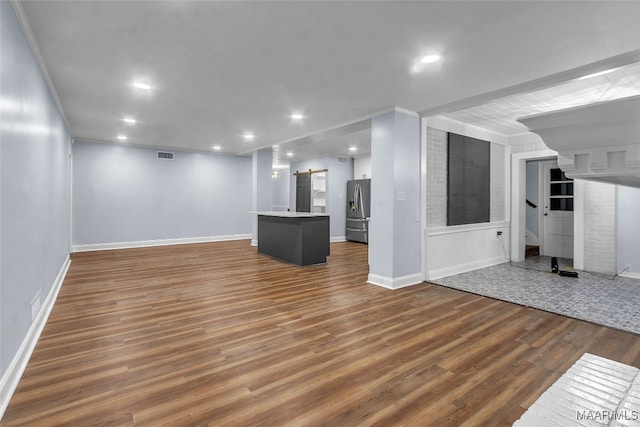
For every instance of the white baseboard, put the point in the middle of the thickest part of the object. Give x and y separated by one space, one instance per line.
463 268
159 242
254 242
630 274
12 376
395 282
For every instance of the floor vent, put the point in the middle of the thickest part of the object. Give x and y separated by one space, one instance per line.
165 155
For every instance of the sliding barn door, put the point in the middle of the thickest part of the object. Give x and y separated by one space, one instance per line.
303 192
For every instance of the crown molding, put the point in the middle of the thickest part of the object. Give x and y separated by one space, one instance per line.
28 33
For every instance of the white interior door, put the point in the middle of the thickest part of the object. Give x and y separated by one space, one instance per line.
557 222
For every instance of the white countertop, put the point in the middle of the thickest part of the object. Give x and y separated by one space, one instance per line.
287 214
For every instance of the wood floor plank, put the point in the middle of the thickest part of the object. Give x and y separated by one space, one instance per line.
217 334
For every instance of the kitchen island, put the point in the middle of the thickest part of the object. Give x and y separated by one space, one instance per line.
300 238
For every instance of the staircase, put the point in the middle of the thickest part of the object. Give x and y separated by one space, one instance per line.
531 250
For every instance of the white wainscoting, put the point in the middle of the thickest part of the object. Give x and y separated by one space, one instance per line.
457 249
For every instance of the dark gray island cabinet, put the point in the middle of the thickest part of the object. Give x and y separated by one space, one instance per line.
299 238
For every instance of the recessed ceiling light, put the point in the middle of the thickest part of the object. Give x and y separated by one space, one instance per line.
121 137
353 148
141 85
297 116
289 154
430 59
248 136
217 147
130 120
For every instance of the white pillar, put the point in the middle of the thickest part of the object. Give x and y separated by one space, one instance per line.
394 238
262 192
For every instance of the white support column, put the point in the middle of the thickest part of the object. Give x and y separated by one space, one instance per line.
394 237
262 192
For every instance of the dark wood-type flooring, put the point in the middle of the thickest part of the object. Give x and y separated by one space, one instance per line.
216 334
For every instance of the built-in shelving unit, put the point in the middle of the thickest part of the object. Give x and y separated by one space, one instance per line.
319 192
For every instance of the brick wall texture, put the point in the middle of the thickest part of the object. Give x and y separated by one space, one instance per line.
600 227
437 180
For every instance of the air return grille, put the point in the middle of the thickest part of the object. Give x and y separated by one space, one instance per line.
165 155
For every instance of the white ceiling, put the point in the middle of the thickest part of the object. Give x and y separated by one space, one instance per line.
219 69
500 115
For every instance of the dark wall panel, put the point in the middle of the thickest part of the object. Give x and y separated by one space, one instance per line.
468 192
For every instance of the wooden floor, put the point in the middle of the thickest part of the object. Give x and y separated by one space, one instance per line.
217 334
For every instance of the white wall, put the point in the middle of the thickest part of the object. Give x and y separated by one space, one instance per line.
628 230
339 172
280 190
394 228
261 187
452 250
362 167
124 196
34 200
599 221
532 195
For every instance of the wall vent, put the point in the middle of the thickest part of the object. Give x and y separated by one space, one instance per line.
342 160
165 155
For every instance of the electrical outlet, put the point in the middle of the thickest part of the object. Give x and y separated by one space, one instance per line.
35 305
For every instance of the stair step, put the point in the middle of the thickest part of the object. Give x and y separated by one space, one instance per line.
531 251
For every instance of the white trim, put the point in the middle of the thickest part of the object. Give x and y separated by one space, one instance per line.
395 282
437 231
407 112
159 242
578 224
447 124
254 242
423 197
463 268
12 376
336 239
518 197
630 274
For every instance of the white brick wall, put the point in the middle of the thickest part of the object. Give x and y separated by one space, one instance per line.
436 178
496 183
599 227
531 146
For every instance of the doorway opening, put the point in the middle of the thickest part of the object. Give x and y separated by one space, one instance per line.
549 217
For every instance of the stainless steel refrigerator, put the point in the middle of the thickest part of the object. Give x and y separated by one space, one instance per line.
358 210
